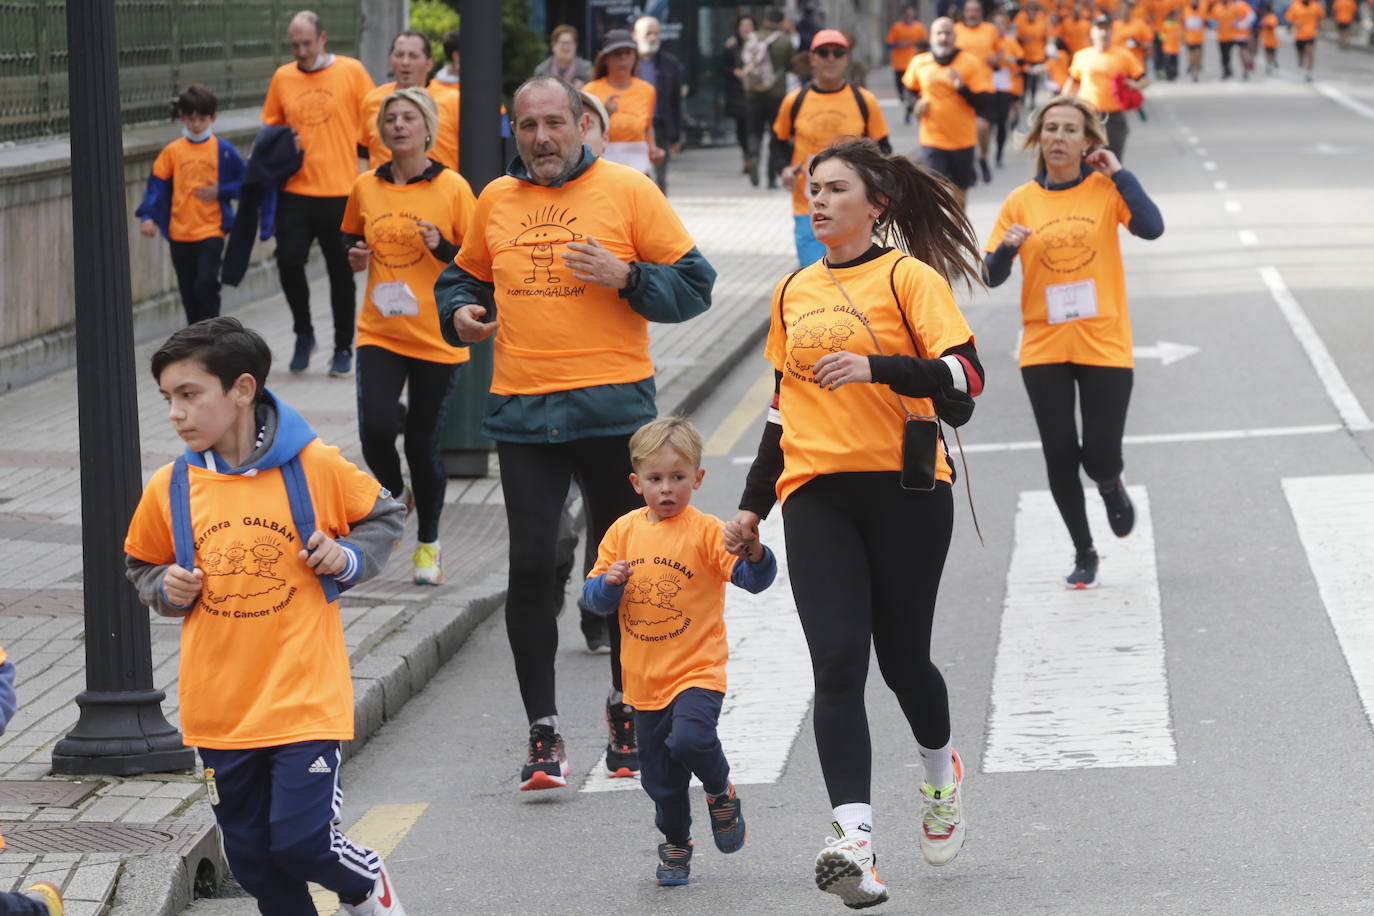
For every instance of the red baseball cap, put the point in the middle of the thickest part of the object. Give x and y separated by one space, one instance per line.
829 37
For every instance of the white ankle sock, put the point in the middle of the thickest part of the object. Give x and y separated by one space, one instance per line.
939 764
550 721
856 820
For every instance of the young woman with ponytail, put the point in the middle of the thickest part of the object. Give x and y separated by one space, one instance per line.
862 340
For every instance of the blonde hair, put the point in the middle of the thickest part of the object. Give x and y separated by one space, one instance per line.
1093 127
421 100
676 433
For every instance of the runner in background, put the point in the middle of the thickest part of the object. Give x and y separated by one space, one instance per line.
1168 44
764 70
410 63
1076 340
630 102
1269 37
1132 31
1007 81
906 39
979 38
1343 11
1031 28
1194 34
1305 16
1093 74
1226 14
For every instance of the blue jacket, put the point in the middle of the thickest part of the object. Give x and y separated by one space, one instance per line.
157 196
666 293
8 703
274 159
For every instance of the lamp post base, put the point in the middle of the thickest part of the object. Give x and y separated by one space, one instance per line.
121 733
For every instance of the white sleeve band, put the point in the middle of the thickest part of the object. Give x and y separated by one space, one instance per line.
774 416
957 376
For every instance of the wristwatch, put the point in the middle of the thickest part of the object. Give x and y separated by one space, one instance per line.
631 279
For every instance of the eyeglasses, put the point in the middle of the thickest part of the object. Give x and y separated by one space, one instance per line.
827 53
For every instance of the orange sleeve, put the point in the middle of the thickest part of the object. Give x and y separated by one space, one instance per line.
150 530
911 79
473 256
658 234
782 124
343 492
979 77
1134 68
362 82
930 307
609 550
775 350
892 36
353 213
272 112
164 165
921 33
877 122
722 560
1005 219
463 206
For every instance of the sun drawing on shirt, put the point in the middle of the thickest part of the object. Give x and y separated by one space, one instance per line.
541 232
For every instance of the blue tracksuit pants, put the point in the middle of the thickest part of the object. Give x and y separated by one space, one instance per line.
278 812
19 905
675 743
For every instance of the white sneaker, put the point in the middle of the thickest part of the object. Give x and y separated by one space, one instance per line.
845 868
942 823
381 902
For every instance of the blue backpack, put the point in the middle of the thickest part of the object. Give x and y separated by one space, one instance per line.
302 516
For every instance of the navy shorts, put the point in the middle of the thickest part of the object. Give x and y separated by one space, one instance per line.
956 165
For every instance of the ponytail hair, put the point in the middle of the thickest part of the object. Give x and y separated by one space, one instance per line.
920 213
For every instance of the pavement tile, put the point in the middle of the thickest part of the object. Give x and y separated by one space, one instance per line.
90 882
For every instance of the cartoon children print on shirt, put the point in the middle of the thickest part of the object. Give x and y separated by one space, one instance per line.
545 229
1066 246
817 334
242 571
648 603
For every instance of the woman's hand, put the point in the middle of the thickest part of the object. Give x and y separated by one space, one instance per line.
741 532
836 369
430 233
1016 235
1104 161
359 256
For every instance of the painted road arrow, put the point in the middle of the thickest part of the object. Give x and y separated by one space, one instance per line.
1165 352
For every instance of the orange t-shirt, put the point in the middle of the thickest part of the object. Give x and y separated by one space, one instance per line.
950 122
1171 36
559 333
1073 249
981 42
445 147
1095 72
824 118
1194 25
634 108
1305 18
1137 31
1057 68
1031 33
1269 30
855 427
263 661
1226 15
399 312
1008 77
324 107
189 166
672 615
1075 34
915 33
1344 11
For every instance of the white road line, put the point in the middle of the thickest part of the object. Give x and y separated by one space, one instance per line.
1345 101
1335 520
769 680
1218 435
1201 150
1352 414
1209 165
1232 206
1248 238
1220 185
1079 679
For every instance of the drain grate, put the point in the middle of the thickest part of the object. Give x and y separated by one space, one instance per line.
57 793
32 837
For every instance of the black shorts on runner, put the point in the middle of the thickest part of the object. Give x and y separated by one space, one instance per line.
1342 27
1196 47
1303 44
956 165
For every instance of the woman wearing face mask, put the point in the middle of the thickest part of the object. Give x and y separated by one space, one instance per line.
403 224
564 62
1076 344
861 340
630 102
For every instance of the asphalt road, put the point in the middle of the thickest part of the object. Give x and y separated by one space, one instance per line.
1265 807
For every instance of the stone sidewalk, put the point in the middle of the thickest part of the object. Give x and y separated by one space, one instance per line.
398 634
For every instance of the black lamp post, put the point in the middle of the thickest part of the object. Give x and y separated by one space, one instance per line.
479 136
122 730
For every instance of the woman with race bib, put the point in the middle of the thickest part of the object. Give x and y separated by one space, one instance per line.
1076 342
630 102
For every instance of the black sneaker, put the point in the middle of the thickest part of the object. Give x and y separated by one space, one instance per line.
622 751
1120 510
1084 573
987 172
727 820
547 764
300 359
596 630
674 864
341 366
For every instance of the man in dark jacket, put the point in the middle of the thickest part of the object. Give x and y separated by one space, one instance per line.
664 71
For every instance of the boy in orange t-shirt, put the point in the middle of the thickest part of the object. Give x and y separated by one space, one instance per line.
664 568
248 537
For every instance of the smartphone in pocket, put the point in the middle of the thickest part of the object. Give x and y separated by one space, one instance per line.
920 440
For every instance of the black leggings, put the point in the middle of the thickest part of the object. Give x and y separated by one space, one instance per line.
535 480
381 374
197 268
1104 393
1003 102
301 220
865 557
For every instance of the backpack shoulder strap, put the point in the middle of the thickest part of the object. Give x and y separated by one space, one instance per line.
797 104
179 493
863 107
783 295
303 515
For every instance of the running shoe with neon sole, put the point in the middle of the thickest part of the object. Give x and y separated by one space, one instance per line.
942 824
428 570
48 895
674 864
845 868
546 767
1120 509
381 902
1084 573
727 821
622 750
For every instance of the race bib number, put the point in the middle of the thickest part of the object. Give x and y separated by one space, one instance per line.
1071 301
1192 23
395 300
1001 80
634 153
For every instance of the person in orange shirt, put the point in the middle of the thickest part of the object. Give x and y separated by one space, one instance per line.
1093 74
1133 33
249 537
1170 44
630 102
569 259
1007 81
188 200
1305 16
863 345
404 223
1226 15
1031 29
1194 18
979 38
410 63
815 116
951 87
1076 326
320 97
1343 11
906 39
1269 38
662 570
1057 58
